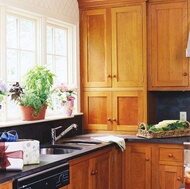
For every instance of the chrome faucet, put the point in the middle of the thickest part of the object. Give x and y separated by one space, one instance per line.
54 138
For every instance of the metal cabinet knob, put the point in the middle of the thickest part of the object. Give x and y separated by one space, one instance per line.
113 119
184 74
114 76
147 159
109 119
93 173
179 178
170 155
108 75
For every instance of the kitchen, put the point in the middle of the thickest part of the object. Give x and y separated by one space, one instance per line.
147 102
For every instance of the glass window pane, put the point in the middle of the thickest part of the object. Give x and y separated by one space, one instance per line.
49 40
12 32
61 69
27 35
12 65
60 42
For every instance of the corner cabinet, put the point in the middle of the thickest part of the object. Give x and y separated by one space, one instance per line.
113 64
153 166
168 67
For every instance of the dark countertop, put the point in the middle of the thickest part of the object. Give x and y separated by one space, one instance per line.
48 161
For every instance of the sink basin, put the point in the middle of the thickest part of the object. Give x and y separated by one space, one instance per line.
58 149
79 142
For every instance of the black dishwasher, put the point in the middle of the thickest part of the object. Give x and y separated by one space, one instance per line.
52 178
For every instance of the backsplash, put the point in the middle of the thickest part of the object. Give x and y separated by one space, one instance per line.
42 131
169 104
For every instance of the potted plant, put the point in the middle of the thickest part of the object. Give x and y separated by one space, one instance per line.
35 95
66 96
2 91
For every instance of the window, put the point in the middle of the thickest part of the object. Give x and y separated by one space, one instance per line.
30 40
21 52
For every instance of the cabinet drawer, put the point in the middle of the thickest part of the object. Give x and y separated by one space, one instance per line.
171 154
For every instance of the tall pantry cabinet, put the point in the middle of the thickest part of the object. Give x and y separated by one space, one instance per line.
113 64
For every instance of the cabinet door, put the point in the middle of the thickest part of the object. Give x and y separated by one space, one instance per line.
6 185
97 110
79 176
100 172
128 46
95 48
170 176
117 168
138 166
128 110
168 32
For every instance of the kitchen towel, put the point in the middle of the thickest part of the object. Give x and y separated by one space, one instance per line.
118 140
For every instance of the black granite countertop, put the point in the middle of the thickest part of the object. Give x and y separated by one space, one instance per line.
48 161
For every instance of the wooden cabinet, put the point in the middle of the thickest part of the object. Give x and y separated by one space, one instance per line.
95 48
91 171
153 166
138 166
167 36
113 65
171 168
113 111
6 185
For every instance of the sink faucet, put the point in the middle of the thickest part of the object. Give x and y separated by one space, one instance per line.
53 132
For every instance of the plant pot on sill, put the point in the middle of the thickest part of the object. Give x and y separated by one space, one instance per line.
27 113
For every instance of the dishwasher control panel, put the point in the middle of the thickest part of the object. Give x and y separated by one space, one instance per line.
52 178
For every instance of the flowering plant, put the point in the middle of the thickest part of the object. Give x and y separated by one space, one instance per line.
2 90
66 93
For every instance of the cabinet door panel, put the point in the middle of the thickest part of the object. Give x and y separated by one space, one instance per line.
138 167
95 55
79 176
170 176
127 110
127 46
97 108
169 66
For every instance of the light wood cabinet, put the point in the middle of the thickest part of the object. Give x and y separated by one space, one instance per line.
6 185
153 166
95 48
167 38
171 168
138 166
113 111
91 171
113 65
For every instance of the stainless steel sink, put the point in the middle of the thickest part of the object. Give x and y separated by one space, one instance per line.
58 149
79 142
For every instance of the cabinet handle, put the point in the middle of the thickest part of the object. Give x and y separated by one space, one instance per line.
147 159
114 76
179 178
184 74
93 173
170 155
96 172
113 119
109 119
108 75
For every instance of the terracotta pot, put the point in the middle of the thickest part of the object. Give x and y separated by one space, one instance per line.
27 113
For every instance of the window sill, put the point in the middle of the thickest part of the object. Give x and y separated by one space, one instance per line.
48 118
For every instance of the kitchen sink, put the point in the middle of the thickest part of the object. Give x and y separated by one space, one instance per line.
54 149
79 142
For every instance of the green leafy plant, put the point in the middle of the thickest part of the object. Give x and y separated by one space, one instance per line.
37 89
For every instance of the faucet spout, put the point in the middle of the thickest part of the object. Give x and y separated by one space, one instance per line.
53 132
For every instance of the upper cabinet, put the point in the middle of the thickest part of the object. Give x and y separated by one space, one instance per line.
95 48
168 66
113 46
128 58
